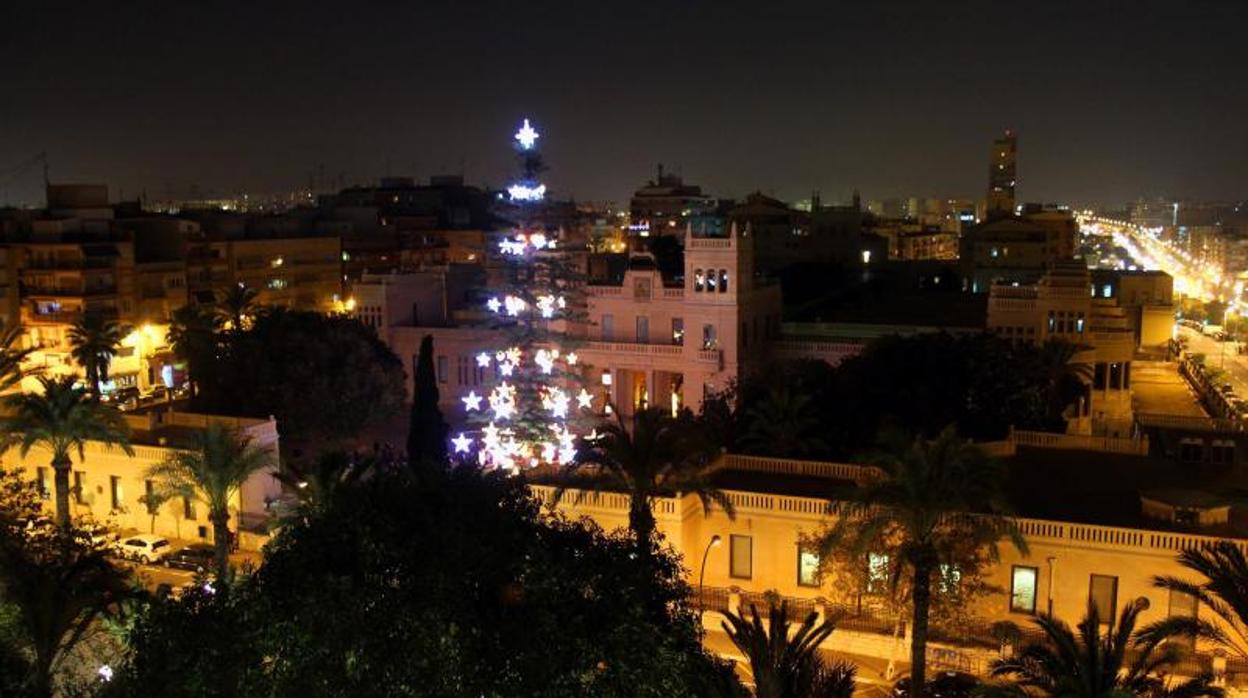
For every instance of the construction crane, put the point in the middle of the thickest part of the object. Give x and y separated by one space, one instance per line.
13 174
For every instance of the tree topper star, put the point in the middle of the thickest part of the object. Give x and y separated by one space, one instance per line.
527 136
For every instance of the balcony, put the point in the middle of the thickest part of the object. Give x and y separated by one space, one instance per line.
76 291
51 263
674 351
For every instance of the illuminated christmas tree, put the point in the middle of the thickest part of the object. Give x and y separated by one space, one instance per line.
533 406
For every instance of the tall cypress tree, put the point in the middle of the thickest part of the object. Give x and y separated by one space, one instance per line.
427 430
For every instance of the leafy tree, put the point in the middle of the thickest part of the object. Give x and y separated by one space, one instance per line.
657 454
193 336
787 664
213 471
921 516
427 430
451 585
979 383
154 500
62 418
784 423
59 587
323 377
94 341
1224 591
1095 665
236 306
317 487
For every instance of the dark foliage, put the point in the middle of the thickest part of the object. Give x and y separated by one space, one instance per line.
443 586
917 385
427 430
322 376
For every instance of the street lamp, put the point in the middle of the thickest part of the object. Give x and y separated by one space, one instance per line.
715 541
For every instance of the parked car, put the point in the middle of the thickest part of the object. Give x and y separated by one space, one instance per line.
195 557
944 684
101 536
144 547
122 398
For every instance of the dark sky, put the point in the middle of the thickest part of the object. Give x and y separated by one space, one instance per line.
1112 100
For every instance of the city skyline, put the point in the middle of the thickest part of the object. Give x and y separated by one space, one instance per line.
1109 105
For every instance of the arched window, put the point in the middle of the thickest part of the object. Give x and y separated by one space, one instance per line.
697 280
723 280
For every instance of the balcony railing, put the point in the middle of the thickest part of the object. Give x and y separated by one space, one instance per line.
69 291
43 263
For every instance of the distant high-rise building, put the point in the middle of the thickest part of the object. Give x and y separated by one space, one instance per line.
1002 176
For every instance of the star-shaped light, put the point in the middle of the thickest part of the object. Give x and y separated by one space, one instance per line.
494 304
483 360
461 443
546 304
545 360
527 136
584 400
559 404
472 401
506 368
514 305
549 452
571 358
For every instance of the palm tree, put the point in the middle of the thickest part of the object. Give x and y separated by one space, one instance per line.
788 665
236 305
60 589
940 505
317 487
11 357
94 341
62 418
1065 380
784 423
1224 591
213 471
193 337
1095 665
657 454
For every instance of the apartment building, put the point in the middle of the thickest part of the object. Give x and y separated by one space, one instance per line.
290 272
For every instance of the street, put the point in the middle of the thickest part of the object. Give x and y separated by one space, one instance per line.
1220 355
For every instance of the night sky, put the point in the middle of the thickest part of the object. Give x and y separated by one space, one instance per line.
1112 100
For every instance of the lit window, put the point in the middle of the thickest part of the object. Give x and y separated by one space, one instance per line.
1106 291
950 579
877 573
1023 589
807 567
1182 606
698 280
741 557
115 492
723 280
1103 596
80 485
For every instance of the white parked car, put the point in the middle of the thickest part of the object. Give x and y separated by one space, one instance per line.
144 548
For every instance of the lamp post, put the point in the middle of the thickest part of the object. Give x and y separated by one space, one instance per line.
715 541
